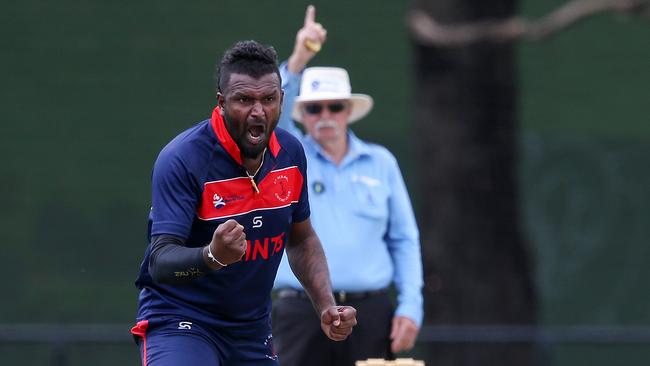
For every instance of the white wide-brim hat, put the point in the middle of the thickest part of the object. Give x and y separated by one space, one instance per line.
330 83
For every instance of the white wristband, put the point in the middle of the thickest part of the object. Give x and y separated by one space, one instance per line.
213 258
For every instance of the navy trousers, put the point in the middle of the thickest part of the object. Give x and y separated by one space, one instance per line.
180 342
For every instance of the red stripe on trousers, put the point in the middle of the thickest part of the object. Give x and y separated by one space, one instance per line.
140 330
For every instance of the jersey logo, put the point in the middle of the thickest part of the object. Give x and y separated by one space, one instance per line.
257 222
217 201
185 325
234 196
264 248
271 350
283 191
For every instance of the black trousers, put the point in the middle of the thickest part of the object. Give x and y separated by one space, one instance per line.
299 340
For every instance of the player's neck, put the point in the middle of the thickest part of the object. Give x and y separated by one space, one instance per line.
253 165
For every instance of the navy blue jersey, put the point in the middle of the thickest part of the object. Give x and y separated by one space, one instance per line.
198 182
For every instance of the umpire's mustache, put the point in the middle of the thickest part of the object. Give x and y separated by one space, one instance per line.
326 123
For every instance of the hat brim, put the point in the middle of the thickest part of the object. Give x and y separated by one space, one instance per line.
361 105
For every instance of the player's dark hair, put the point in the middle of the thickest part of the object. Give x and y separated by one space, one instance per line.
249 58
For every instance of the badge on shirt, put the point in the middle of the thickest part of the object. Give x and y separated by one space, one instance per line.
318 187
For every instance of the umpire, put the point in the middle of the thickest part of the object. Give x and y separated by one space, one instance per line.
362 213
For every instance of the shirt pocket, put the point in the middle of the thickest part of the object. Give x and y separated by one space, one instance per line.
371 201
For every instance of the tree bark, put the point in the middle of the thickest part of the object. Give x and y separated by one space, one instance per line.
477 265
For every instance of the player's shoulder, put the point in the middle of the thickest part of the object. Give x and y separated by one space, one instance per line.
195 143
289 143
286 139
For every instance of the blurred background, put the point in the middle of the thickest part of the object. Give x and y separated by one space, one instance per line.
92 90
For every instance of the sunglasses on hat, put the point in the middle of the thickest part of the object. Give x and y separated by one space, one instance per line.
317 108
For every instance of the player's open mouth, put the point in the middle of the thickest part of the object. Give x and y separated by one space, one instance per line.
255 134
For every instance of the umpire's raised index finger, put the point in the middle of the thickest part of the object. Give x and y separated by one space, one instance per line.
310 15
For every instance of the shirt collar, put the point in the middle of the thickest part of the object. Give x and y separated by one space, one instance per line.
219 128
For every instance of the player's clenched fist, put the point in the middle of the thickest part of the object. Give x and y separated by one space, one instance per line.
228 243
337 322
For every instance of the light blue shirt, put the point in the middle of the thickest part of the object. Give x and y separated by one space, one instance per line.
362 214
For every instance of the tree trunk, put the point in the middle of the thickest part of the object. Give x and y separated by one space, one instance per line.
477 265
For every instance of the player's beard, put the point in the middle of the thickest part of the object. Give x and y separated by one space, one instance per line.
252 152
248 149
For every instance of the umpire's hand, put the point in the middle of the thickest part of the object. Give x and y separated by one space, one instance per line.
309 39
337 322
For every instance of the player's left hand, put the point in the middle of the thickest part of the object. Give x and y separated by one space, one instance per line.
403 333
337 322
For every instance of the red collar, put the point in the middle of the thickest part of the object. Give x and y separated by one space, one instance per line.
229 144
